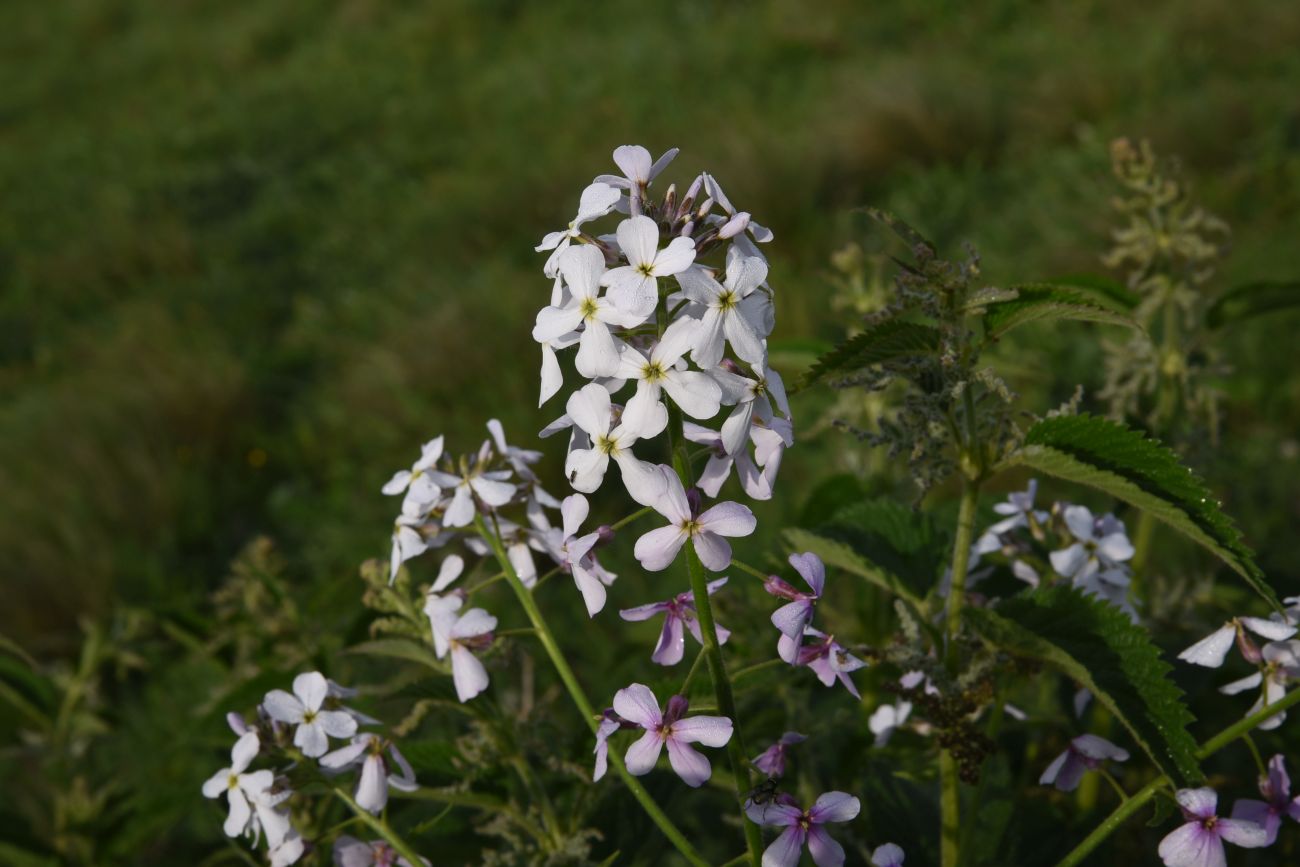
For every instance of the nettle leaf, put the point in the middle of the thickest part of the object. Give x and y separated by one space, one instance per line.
1037 302
886 341
1106 291
1144 473
888 544
1096 644
1252 299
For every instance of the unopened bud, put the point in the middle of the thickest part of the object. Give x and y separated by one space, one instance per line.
734 226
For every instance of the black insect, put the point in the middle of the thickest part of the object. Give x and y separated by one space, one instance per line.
764 793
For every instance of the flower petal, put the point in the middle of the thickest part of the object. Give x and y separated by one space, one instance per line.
657 549
785 849
835 807
825 852
1212 650
636 703
641 757
712 731
690 765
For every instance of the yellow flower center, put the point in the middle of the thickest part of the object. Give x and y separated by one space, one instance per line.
588 308
727 300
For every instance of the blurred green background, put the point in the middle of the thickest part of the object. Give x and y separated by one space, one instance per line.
253 254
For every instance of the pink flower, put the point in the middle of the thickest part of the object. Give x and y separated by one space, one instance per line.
1275 786
1085 753
679 610
804 827
657 549
772 761
637 704
827 658
1199 842
888 855
793 618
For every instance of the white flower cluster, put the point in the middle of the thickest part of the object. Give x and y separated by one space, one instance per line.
307 719
1277 662
642 306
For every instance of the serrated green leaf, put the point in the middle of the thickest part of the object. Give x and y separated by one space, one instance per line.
1096 644
1252 299
887 341
896 548
400 648
1041 302
1106 291
900 228
1144 473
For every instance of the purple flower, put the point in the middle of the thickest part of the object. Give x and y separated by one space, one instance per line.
679 610
637 704
827 658
804 826
575 554
772 761
795 616
658 548
1085 753
351 852
1199 843
888 855
610 722
1275 786
376 778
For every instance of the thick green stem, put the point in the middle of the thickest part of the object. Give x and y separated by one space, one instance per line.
580 699
1147 792
949 786
380 827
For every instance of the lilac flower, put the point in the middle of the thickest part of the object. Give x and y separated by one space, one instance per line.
610 722
1279 665
304 709
887 718
757 483
472 631
1275 786
1199 842
795 616
1212 650
887 855
351 852
597 200
472 482
377 776
658 548
420 490
1099 546
825 656
804 827
772 760
678 611
1019 508
1085 753
637 704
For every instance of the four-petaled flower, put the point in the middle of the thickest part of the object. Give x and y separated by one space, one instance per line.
598 350
1199 842
1275 786
1212 650
671 728
421 492
1100 546
351 852
573 553
678 611
376 774
658 548
304 708
591 411
827 658
239 786
658 371
597 200
804 827
635 286
489 486
734 310
1085 753
792 618
471 631
772 760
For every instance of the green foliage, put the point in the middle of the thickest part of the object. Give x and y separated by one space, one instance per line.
1096 644
1045 302
1241 303
1128 466
890 340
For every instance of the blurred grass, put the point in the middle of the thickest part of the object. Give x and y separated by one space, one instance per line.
251 255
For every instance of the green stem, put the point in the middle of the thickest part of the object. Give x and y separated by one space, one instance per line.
745 567
1147 792
380 827
949 791
741 673
579 697
476 800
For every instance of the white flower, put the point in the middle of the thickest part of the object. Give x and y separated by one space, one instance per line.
1280 665
573 553
463 635
597 200
635 286
658 548
1212 650
1100 546
760 234
638 171
490 487
733 310
752 399
658 371
376 776
1019 506
441 611
421 492
591 411
887 718
598 350
290 848
351 852
304 709
408 543
238 786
